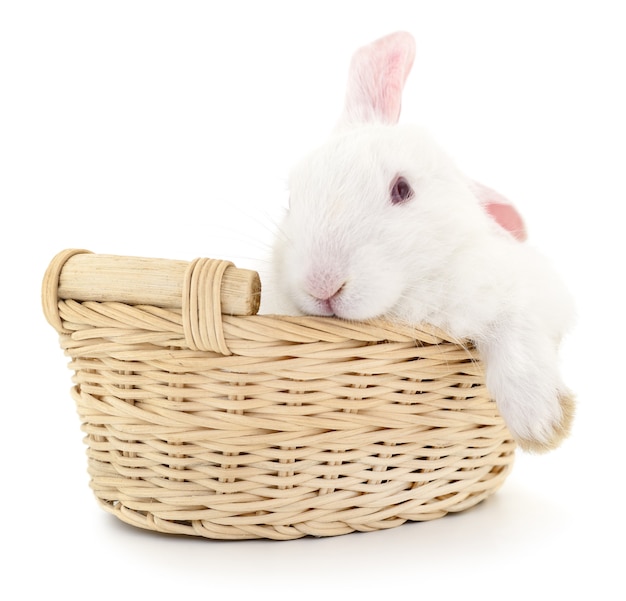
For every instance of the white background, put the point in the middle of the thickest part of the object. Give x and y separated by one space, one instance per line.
166 129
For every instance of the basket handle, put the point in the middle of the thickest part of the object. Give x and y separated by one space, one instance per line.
204 289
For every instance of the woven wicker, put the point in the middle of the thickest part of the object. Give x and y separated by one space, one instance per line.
253 426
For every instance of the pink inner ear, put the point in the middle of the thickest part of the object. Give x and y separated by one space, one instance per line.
377 76
502 211
507 217
392 65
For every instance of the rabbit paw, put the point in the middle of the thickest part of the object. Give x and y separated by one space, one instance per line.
545 435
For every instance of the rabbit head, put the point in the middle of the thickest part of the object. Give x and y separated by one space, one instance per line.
376 212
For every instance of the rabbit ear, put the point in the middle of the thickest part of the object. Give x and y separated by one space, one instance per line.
376 79
501 210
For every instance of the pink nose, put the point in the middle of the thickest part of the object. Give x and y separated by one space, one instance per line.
328 303
325 290
323 285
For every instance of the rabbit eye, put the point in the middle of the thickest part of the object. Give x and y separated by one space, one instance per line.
401 191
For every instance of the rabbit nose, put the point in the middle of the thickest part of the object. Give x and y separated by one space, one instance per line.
329 304
323 286
333 295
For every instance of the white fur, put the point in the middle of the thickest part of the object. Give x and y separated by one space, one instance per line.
345 250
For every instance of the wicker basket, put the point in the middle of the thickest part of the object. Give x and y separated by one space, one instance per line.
204 419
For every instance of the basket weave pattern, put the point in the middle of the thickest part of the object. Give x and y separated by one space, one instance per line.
291 426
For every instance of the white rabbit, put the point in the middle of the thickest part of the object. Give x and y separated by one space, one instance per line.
382 224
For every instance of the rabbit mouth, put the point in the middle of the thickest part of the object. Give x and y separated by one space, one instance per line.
326 304
347 302
348 293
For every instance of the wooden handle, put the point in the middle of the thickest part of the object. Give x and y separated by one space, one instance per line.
144 281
